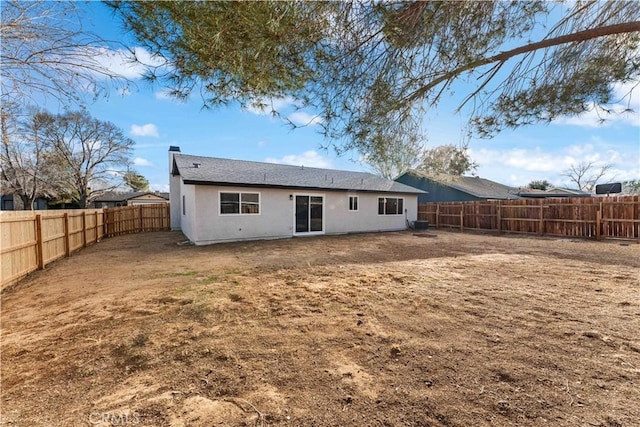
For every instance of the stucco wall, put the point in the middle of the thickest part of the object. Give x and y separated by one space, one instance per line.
273 221
175 199
188 213
366 218
276 218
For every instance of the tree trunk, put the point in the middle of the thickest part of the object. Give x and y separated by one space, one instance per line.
82 201
27 202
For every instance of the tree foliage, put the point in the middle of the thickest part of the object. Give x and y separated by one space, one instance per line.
135 181
46 53
373 69
447 160
541 184
631 186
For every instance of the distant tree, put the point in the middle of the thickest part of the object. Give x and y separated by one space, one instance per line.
585 175
95 154
631 186
447 159
27 167
539 185
47 53
398 157
135 181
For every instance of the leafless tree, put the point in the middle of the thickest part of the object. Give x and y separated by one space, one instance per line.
95 154
28 169
586 174
46 53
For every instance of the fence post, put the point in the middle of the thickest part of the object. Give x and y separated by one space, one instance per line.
437 214
461 217
140 222
39 242
499 216
96 227
84 229
67 237
541 222
105 227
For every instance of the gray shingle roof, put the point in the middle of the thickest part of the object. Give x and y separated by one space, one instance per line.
481 187
552 192
212 170
120 196
474 185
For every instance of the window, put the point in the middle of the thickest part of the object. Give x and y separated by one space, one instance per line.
239 203
184 207
353 203
390 206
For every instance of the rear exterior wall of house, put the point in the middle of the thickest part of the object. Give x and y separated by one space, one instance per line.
202 222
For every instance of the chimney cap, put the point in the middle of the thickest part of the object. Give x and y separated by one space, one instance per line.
174 148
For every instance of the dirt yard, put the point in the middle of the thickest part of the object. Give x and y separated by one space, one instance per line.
394 329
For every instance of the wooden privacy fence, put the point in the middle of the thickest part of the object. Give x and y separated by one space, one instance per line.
29 240
134 219
586 217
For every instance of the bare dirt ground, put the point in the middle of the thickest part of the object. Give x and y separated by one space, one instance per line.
390 329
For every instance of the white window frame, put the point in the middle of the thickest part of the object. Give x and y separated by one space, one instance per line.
357 203
385 206
239 193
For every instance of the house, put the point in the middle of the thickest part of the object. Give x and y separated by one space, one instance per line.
11 202
220 200
530 193
112 199
453 188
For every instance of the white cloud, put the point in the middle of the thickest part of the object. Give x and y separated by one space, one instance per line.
162 94
625 110
262 143
139 161
518 166
145 130
164 188
128 64
596 117
309 158
303 119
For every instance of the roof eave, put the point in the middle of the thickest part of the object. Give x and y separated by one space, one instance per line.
294 187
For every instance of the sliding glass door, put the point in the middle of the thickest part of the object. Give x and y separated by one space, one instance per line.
309 214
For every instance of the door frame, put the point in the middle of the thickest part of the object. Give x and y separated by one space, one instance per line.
324 214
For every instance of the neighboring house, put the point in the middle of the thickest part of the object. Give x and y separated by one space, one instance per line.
530 193
219 200
453 188
113 199
11 202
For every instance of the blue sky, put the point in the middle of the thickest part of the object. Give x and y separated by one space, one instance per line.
514 157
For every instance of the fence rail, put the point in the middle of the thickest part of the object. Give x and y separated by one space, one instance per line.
591 217
29 240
